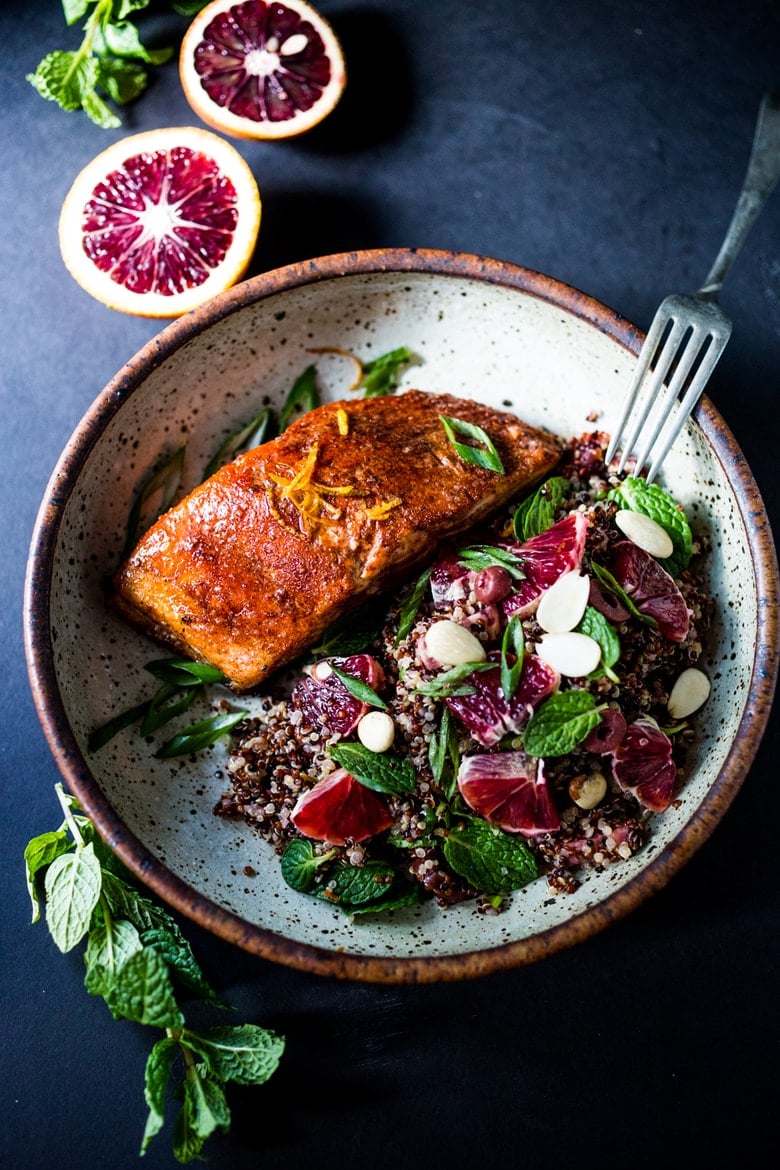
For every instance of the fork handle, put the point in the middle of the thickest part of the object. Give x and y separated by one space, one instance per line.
761 177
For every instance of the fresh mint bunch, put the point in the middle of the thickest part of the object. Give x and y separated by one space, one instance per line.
108 65
137 960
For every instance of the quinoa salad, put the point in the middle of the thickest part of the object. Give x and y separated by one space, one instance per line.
519 712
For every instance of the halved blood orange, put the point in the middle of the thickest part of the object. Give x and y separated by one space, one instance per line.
161 221
261 70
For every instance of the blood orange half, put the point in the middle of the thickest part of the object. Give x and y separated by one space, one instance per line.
161 221
261 70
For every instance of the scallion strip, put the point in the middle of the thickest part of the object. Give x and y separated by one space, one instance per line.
358 689
252 434
485 456
163 484
200 735
304 394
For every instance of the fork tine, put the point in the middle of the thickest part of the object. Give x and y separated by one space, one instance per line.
653 393
648 349
676 421
685 355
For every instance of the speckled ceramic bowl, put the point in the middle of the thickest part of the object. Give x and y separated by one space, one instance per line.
480 328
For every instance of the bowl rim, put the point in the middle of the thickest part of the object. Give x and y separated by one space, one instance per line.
226 924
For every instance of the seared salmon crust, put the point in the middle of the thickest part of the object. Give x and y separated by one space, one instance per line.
250 569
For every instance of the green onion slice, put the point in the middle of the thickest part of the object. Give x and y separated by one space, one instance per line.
484 456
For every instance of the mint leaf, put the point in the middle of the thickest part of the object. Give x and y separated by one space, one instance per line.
125 902
381 772
65 78
72 885
246 1054
484 455
490 860
109 945
122 80
204 1109
40 852
156 1080
99 111
411 895
380 376
75 9
637 495
142 991
560 723
352 885
300 863
171 945
122 40
597 627
537 513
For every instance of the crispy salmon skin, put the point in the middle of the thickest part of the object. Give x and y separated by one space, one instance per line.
251 568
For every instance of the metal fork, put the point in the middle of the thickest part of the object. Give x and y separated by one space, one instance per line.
689 333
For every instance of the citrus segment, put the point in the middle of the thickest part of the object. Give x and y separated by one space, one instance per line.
160 221
259 70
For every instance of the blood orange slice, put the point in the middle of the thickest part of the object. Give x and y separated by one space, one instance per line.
340 809
161 221
260 70
545 558
642 764
325 701
651 589
510 790
488 715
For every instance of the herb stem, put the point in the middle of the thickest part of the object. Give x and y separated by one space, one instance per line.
73 828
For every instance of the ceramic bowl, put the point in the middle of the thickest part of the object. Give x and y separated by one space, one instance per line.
479 328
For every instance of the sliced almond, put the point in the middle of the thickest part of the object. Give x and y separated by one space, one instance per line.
691 690
574 655
645 532
563 604
452 644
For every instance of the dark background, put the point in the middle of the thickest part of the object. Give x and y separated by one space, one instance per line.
604 144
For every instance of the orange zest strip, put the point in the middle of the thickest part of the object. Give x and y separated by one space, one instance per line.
381 510
308 496
342 419
343 353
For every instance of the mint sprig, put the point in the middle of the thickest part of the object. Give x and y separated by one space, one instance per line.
136 958
107 66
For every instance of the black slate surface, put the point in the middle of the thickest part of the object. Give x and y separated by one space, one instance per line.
603 143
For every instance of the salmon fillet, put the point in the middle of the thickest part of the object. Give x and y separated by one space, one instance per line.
250 569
